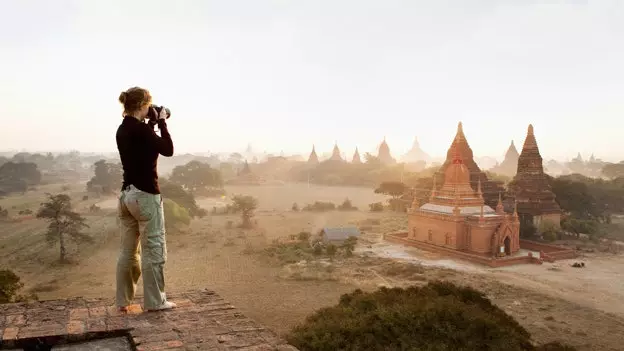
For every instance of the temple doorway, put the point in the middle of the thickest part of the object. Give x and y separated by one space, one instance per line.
507 246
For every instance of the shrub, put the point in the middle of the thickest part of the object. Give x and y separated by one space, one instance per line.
320 206
376 207
304 236
295 207
347 206
176 216
10 285
438 316
4 213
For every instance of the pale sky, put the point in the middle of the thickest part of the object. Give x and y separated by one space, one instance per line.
283 75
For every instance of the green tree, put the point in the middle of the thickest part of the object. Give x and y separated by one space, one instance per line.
246 205
64 223
438 316
181 197
613 170
581 226
107 179
18 176
197 177
176 216
10 286
394 189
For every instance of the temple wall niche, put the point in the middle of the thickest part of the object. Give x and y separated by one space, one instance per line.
434 231
481 239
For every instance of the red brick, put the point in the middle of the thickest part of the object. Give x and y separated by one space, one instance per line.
97 312
79 314
10 333
35 331
15 320
116 323
96 325
75 327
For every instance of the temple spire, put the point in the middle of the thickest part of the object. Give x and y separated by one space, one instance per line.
460 132
479 192
530 142
500 209
434 190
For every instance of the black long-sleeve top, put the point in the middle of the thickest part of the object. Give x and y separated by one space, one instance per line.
139 147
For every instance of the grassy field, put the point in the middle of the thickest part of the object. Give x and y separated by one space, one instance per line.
581 305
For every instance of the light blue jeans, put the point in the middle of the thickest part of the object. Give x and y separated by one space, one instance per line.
142 220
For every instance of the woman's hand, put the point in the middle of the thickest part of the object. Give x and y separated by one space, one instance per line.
162 115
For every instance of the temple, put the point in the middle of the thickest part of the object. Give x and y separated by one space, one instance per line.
509 165
456 216
384 155
336 154
313 159
530 188
491 189
416 154
356 157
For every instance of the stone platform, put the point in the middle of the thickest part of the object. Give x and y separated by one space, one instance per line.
202 321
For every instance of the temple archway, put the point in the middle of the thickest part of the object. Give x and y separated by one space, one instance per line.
507 243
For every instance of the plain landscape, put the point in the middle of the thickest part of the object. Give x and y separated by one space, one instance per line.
549 300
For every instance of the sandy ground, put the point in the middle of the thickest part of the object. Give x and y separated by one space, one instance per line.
580 306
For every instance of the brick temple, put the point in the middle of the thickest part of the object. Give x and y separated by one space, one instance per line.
530 188
202 321
456 217
490 189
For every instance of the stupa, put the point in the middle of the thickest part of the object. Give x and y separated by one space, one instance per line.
530 188
491 189
384 155
356 157
313 158
509 165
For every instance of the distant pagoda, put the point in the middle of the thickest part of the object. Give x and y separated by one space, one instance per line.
356 157
416 154
384 155
336 154
491 189
509 165
530 188
313 158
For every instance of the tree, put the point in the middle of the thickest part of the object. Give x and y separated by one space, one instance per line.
176 216
64 223
181 197
18 176
246 205
438 316
10 285
394 189
196 177
580 226
107 179
613 170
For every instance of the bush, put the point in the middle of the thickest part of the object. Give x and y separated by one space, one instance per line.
376 207
347 206
10 285
295 207
320 206
176 216
4 213
438 316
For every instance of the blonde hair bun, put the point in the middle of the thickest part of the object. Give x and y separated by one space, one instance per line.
122 97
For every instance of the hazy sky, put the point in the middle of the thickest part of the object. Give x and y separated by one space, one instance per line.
285 74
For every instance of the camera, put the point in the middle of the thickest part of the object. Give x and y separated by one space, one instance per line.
154 111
